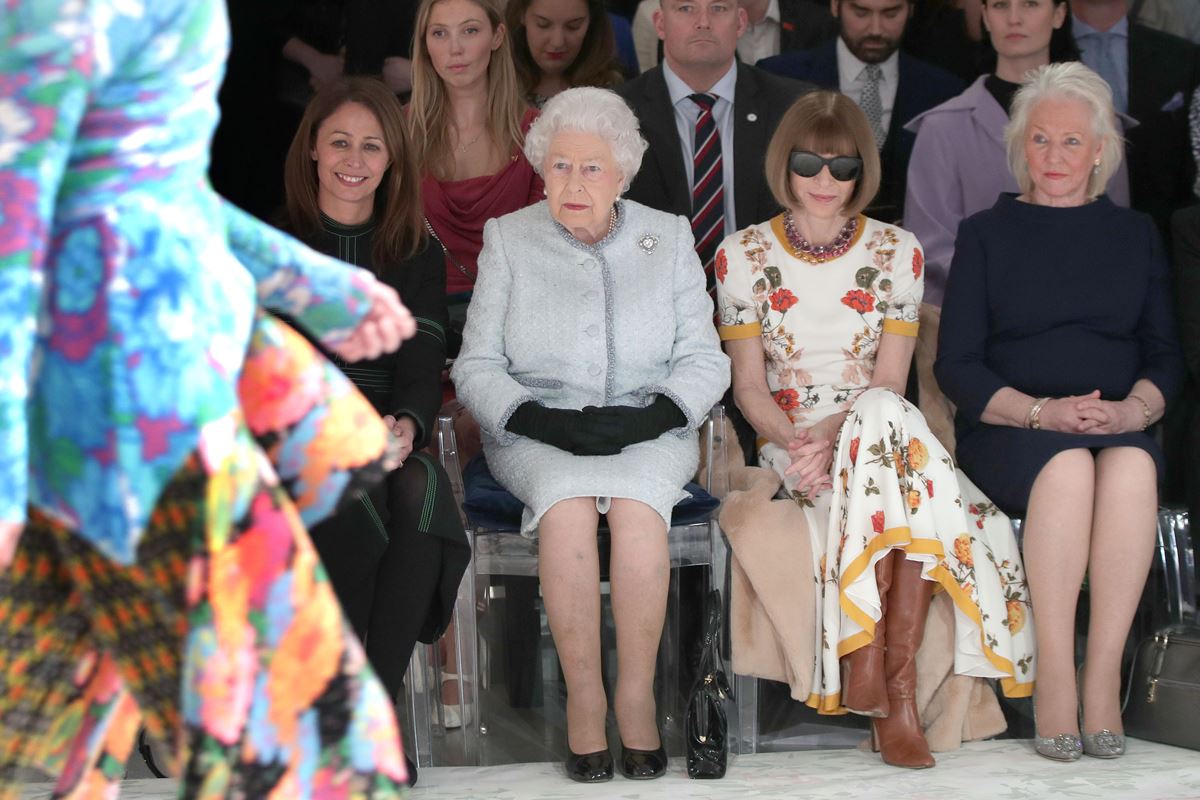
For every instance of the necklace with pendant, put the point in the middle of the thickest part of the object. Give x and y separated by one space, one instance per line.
462 148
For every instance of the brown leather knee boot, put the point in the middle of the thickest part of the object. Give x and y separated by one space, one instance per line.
864 686
900 737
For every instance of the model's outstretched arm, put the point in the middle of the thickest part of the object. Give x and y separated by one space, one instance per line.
46 67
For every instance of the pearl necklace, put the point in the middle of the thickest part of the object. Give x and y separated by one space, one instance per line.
819 253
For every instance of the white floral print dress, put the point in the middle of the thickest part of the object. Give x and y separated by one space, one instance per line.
894 485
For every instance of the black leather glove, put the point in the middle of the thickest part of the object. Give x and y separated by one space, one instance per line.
553 426
609 429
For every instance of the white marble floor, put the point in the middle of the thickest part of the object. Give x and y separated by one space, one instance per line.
998 770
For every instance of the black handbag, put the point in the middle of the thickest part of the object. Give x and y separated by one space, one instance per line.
706 726
1163 698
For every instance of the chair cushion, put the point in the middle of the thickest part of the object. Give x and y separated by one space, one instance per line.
490 506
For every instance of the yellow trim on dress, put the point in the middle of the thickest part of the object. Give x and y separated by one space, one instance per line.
900 327
747 330
902 538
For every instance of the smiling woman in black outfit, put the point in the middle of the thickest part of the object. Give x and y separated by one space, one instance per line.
353 191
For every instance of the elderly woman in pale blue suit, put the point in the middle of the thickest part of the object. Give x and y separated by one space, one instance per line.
589 359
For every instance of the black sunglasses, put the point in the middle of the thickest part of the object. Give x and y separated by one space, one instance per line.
808 165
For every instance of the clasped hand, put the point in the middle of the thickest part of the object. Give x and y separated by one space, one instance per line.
811 453
604 430
596 430
404 433
1089 414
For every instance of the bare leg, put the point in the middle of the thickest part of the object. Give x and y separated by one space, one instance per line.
1058 525
1122 546
569 568
640 571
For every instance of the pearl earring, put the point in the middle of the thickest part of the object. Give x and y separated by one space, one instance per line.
1096 167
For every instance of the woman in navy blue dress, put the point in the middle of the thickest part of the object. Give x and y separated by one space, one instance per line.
1058 347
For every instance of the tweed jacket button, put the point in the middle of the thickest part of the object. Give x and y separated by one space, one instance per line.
592 330
589 264
594 370
590 294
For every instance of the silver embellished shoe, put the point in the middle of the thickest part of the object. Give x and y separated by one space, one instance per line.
1104 744
1063 747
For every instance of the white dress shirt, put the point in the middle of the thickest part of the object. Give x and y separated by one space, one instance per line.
852 79
761 40
686 114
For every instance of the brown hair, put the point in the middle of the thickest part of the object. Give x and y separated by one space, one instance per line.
399 230
823 122
429 106
596 64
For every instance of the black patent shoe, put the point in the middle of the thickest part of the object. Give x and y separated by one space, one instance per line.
643 765
590 767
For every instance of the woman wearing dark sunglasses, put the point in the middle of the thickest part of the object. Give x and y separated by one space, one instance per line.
830 298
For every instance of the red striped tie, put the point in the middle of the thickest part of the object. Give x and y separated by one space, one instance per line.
708 187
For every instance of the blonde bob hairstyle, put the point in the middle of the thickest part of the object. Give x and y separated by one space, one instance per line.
823 122
1073 81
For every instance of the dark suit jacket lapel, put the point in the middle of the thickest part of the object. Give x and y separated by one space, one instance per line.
750 137
657 118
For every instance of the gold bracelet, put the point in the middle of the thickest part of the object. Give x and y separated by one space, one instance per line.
1031 419
1145 410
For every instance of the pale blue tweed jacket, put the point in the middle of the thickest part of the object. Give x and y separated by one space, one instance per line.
571 325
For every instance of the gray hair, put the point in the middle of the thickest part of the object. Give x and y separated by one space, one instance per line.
1066 80
586 109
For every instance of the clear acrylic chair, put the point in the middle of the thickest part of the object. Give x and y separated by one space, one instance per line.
504 565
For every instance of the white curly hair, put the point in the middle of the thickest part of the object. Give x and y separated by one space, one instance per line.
587 109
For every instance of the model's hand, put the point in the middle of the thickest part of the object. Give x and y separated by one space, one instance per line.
10 534
1065 414
404 431
1107 416
386 324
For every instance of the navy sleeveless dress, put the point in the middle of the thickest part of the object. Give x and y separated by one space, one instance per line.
1052 302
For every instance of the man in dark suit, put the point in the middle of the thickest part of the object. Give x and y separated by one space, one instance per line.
1152 75
869 35
700 92
699 43
707 118
772 27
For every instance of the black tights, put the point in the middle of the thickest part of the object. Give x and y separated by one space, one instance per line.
397 584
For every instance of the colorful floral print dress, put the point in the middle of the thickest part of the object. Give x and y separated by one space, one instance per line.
894 486
163 442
